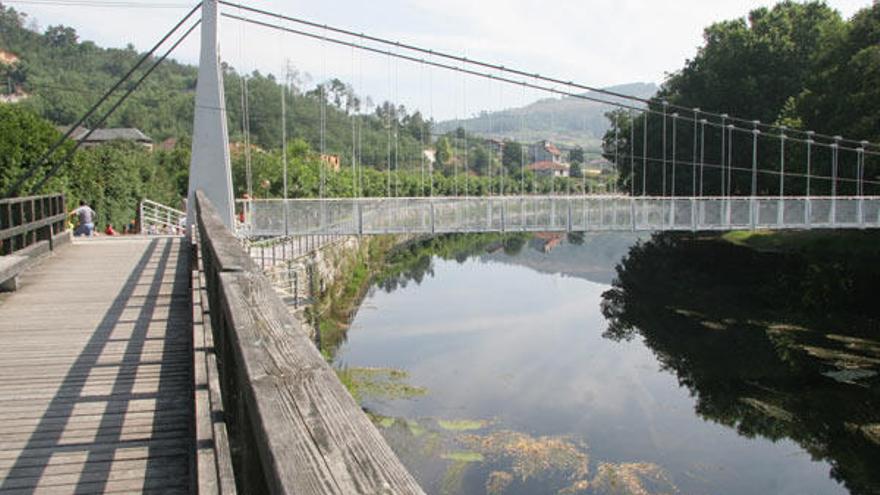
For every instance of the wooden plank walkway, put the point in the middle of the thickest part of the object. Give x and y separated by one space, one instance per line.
95 371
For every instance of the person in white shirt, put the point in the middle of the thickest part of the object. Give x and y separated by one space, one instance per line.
86 217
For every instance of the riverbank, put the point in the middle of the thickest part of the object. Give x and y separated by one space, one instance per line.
810 242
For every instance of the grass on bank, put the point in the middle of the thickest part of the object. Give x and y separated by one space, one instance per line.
809 242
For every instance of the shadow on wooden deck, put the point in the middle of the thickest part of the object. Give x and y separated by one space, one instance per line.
122 423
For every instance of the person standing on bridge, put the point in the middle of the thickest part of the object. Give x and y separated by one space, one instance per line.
86 217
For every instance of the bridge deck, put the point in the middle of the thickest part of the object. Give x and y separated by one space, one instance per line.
95 387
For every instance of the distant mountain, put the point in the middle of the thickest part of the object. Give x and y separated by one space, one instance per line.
568 121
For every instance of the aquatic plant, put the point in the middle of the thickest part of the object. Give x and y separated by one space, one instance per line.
378 383
632 478
532 457
498 482
462 424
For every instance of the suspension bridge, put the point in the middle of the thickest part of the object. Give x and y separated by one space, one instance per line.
679 168
181 370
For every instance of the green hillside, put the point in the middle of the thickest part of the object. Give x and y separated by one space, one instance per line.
59 76
568 121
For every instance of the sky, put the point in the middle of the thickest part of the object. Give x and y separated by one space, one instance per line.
597 43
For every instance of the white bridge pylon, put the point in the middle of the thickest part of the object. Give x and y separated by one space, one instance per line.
210 168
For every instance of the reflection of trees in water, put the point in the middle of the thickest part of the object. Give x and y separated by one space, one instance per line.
414 261
757 338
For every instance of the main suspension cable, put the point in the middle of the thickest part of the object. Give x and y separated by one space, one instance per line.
547 89
521 73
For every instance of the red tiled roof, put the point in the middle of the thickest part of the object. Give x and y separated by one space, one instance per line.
546 166
552 149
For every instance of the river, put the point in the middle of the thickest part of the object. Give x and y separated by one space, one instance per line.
537 367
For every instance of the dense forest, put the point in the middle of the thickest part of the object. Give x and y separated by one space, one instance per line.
799 65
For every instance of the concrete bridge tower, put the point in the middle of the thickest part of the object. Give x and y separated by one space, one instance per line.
210 168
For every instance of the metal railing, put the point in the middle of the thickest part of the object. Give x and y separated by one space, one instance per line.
26 221
155 219
556 213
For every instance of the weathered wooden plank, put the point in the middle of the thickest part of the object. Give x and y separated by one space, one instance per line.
224 475
316 435
205 460
96 394
71 461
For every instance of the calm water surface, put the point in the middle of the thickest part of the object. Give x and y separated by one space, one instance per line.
506 381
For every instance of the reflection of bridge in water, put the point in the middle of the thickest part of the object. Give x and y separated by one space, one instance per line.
555 214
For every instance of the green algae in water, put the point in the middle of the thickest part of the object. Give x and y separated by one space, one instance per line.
378 383
463 456
462 424
453 478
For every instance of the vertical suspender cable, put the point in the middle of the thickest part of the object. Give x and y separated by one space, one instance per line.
809 159
616 151
730 130
490 134
353 116
464 127
396 128
284 152
388 111
835 156
694 160
503 187
323 130
431 104
723 191
645 155
861 170
249 170
663 175
674 149
702 153
755 133
422 137
782 162
632 153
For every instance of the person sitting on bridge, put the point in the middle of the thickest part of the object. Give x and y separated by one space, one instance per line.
109 230
86 217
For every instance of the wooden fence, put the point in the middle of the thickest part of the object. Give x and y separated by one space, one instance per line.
26 221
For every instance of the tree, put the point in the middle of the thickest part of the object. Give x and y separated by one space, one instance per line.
576 170
24 138
844 97
61 36
444 151
576 155
512 156
481 160
750 68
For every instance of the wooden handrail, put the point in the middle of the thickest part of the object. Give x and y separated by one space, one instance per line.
26 221
293 426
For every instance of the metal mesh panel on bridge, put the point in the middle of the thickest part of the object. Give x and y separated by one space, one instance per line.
553 213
